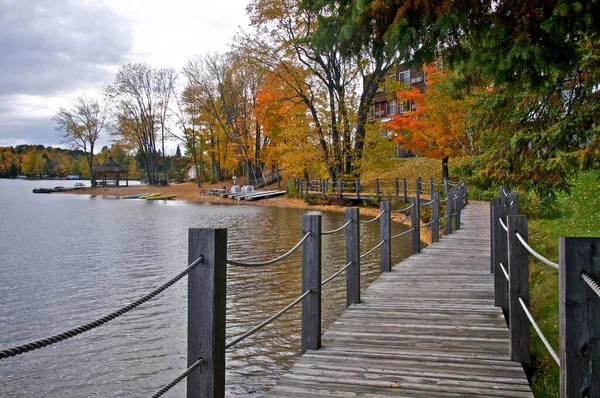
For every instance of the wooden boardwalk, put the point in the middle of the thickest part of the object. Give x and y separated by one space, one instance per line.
429 328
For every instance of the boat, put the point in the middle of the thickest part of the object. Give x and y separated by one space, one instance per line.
160 197
149 195
136 196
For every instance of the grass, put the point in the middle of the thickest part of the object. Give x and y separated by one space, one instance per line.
578 217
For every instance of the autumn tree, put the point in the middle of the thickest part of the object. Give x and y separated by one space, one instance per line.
81 126
437 124
33 163
140 99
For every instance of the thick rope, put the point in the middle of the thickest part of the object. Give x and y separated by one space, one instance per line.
337 230
402 210
11 352
182 376
539 332
336 274
503 225
504 271
373 249
269 262
373 219
428 224
591 283
428 203
265 323
535 254
402 233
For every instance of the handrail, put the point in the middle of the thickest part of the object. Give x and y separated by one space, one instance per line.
591 283
539 332
402 210
179 378
336 273
402 233
373 249
534 253
11 352
373 219
336 230
265 323
269 262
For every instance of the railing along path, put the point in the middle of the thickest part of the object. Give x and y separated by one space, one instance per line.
205 373
579 293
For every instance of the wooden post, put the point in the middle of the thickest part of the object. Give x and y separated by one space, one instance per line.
518 286
385 252
466 195
579 309
415 224
377 187
493 202
446 189
448 213
502 196
277 174
206 312
307 186
311 280
456 208
500 255
340 187
435 217
431 188
357 189
513 202
353 255
419 186
397 186
405 193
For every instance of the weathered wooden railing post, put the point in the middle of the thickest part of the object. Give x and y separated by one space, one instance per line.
405 190
311 280
448 213
377 187
415 223
419 186
446 188
456 208
518 286
397 186
431 188
579 308
340 187
513 203
207 285
435 217
357 189
500 255
385 252
466 194
307 186
493 202
353 255
502 196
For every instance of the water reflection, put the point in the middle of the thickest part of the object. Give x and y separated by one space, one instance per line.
68 259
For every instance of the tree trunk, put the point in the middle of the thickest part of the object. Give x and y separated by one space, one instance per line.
445 168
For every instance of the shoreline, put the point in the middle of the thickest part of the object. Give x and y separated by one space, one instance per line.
189 191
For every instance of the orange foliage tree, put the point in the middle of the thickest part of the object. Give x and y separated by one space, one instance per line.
438 127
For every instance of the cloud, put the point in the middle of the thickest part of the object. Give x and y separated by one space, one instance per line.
51 47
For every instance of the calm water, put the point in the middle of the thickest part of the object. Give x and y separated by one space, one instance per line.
68 259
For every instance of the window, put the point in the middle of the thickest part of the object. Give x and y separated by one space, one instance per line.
404 77
392 107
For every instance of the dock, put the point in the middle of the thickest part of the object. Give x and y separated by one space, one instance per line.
429 328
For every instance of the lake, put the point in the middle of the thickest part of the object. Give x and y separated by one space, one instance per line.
66 260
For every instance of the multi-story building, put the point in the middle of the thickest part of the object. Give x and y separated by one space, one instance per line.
385 105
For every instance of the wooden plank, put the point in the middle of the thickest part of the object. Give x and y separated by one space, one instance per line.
427 328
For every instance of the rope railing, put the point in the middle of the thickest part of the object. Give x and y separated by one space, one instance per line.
428 224
428 203
336 274
178 379
372 250
402 233
373 219
99 322
539 332
403 210
536 254
269 262
591 283
268 321
336 230
504 271
503 225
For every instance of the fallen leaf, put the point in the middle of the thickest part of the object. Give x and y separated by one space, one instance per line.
395 385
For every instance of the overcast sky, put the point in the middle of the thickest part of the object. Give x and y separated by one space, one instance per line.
54 50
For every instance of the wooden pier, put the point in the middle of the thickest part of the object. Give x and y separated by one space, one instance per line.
429 328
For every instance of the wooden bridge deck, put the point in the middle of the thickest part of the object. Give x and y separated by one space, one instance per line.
429 328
